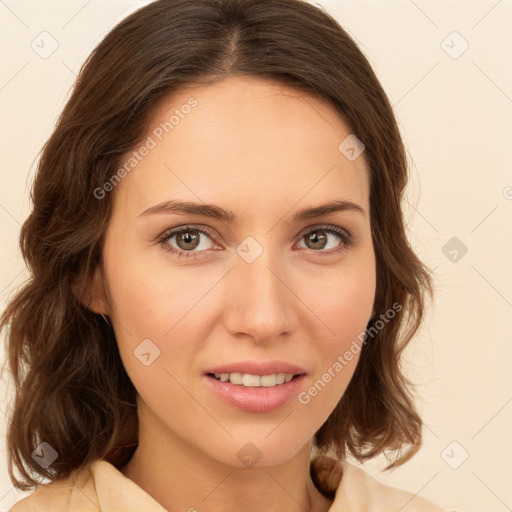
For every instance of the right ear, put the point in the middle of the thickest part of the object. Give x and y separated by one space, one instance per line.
92 293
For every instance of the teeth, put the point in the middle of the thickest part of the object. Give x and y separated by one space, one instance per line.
249 380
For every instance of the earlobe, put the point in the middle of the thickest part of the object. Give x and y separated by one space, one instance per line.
90 291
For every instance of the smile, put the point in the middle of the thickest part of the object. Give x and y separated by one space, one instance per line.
250 380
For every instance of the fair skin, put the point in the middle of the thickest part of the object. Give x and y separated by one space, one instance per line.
264 152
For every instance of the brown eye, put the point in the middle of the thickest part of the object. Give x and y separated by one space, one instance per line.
317 239
187 241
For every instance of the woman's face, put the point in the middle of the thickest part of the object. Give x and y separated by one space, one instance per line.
263 285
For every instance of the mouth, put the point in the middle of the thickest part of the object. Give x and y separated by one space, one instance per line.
251 392
255 381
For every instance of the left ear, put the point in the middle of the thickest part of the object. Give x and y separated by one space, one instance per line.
93 295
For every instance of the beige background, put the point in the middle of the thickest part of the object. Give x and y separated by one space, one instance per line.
456 118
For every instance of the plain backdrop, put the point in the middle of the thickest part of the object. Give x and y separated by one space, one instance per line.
446 67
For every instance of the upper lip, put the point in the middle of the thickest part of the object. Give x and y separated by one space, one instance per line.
257 368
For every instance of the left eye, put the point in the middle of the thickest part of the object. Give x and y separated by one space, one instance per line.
188 238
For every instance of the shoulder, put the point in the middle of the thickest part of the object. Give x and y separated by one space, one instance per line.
352 488
362 488
99 486
75 491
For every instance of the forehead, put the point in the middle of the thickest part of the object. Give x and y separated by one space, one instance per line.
242 138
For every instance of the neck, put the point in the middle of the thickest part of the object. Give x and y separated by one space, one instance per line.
181 477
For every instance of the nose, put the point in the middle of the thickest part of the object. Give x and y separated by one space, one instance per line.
262 305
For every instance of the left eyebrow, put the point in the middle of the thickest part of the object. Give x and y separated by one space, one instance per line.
325 209
216 212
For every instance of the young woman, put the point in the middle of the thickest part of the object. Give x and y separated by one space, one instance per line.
221 280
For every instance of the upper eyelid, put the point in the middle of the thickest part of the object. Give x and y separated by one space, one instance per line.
169 233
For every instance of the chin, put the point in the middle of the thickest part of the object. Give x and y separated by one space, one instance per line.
259 451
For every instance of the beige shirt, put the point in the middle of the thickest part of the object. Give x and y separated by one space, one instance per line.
102 487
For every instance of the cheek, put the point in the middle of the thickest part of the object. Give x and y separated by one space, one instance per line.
148 309
342 306
148 301
343 303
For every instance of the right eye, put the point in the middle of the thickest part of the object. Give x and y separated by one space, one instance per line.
187 239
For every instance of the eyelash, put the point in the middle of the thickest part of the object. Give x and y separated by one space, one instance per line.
342 234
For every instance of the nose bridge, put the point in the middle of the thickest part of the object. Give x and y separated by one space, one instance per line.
262 305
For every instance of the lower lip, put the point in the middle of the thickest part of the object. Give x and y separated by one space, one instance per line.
256 399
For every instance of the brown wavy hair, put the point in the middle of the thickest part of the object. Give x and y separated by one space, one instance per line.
71 389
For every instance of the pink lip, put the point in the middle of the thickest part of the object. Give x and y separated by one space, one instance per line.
257 368
255 399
